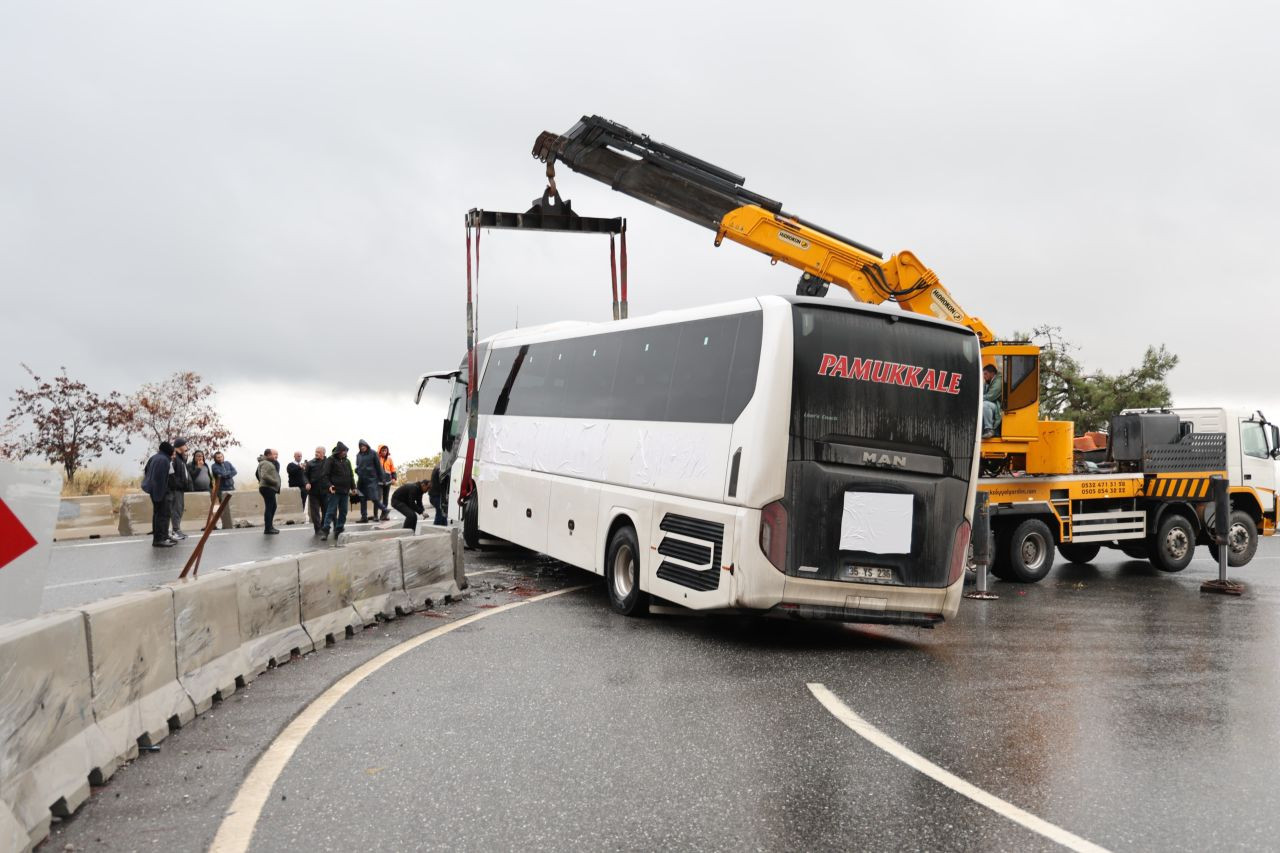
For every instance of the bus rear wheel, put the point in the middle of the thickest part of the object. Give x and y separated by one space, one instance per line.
1242 540
1173 545
622 574
1082 552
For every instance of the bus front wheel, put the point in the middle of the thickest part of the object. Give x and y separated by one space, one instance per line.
622 574
471 522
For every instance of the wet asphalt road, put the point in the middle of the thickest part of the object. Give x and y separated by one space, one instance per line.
81 572
1116 702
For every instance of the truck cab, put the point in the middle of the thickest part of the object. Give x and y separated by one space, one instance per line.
1253 447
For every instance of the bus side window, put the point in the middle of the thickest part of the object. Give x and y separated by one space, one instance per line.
643 379
702 370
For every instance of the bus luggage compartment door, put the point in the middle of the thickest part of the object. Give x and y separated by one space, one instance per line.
513 506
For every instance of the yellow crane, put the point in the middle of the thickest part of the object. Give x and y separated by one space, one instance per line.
715 198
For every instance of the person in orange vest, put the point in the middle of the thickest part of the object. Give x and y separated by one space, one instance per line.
387 477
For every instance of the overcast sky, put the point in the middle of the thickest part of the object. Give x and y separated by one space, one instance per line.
272 194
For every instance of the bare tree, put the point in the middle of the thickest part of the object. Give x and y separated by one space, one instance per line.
179 406
68 424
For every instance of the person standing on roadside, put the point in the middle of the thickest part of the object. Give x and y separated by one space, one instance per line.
268 487
387 478
179 485
341 481
155 482
436 494
201 476
298 476
225 473
369 473
407 501
317 488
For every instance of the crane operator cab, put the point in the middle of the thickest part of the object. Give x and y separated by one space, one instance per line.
1020 440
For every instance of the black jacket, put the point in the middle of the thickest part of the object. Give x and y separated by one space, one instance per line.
314 473
409 493
337 473
155 481
297 475
368 466
179 475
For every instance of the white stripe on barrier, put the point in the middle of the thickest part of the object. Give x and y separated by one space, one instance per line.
236 830
846 715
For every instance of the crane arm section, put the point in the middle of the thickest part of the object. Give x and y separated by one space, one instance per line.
716 199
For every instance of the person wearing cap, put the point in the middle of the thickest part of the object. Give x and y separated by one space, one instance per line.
155 482
179 485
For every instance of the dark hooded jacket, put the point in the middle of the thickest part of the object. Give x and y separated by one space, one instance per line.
337 471
155 480
368 466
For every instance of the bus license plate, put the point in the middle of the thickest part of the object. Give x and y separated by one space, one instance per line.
871 573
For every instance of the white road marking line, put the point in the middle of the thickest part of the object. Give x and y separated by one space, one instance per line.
236 831
159 577
846 715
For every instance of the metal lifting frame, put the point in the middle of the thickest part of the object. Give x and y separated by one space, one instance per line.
548 213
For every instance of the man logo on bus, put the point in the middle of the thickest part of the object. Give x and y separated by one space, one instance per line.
889 373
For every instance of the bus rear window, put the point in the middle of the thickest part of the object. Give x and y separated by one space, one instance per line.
883 382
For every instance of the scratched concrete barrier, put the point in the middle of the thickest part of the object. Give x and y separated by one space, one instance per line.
247 508
325 595
85 517
135 514
270 613
211 661
354 536
432 565
12 834
49 740
134 674
377 579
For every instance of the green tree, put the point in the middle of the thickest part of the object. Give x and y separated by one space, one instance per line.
1089 399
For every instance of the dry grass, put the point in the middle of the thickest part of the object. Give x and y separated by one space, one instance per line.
100 481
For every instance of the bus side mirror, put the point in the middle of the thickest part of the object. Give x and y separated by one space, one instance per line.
446 440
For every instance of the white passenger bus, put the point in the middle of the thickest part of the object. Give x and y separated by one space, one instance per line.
808 456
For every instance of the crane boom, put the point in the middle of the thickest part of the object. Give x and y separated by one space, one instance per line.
715 198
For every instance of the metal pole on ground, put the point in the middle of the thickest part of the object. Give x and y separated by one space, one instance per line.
1222 538
982 548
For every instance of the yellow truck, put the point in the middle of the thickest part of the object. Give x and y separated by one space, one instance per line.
1158 502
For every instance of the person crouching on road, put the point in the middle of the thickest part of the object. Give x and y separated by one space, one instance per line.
155 482
179 485
407 500
387 478
342 485
269 487
369 470
317 489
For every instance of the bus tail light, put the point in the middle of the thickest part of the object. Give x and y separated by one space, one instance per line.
959 552
773 534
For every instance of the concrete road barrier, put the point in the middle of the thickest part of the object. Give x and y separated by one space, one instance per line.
325 593
377 580
81 690
354 536
270 614
414 475
85 517
248 508
428 562
134 671
135 514
48 737
211 662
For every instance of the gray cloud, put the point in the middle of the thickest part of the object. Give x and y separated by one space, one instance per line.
275 193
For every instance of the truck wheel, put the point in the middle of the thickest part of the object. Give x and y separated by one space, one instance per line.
1173 545
1082 552
1030 551
622 574
1242 540
471 522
